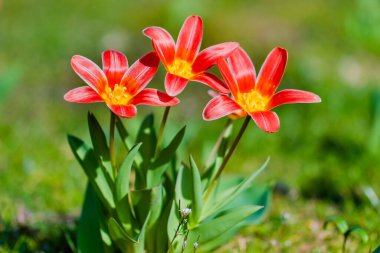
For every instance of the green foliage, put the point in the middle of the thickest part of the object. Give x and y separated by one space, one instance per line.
94 171
131 214
339 222
88 230
377 250
123 177
346 231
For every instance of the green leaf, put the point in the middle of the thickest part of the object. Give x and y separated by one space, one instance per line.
140 238
124 137
99 142
220 240
363 235
118 234
215 227
93 170
167 153
157 237
88 231
141 204
147 136
122 131
339 222
196 203
155 177
125 215
213 207
256 194
123 177
156 205
184 187
173 220
377 250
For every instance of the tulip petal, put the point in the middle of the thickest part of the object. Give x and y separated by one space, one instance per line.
140 73
219 106
84 94
174 84
272 71
189 39
212 81
154 97
89 72
293 96
243 70
266 120
115 64
228 76
163 43
210 56
125 111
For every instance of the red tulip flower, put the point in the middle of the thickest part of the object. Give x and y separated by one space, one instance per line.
182 60
120 87
255 97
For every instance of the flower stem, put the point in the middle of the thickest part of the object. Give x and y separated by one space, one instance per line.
228 156
218 142
112 141
162 127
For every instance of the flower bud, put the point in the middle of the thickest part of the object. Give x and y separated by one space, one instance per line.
186 212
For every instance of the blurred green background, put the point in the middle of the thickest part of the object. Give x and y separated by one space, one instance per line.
323 160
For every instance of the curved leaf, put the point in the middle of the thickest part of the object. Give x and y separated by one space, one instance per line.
93 170
212 208
88 231
99 142
167 153
118 234
377 250
228 219
147 136
123 176
339 222
361 233
196 201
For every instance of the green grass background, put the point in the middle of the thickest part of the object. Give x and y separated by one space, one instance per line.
324 153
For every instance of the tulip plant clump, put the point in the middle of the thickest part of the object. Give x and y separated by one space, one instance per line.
150 201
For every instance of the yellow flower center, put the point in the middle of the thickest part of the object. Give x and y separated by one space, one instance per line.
252 101
181 68
116 96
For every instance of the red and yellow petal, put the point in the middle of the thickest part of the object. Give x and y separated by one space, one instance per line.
84 94
212 81
220 106
210 56
125 111
243 70
266 120
174 85
228 76
154 97
140 73
189 39
291 96
115 64
89 72
272 71
163 44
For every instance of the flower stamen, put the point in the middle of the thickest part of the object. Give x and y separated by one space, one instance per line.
181 68
116 96
253 101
